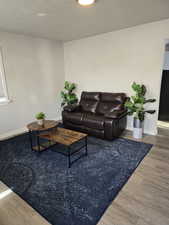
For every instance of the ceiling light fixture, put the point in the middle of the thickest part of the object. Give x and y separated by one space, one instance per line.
41 14
86 2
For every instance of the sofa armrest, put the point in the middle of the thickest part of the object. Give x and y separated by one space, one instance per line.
72 108
116 114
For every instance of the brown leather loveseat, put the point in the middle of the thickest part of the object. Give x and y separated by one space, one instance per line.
99 114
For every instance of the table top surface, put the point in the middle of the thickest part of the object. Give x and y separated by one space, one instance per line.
63 136
48 124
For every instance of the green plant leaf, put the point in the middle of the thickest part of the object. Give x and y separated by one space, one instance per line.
72 87
135 104
137 88
40 116
143 90
66 85
150 111
150 100
68 97
62 94
141 115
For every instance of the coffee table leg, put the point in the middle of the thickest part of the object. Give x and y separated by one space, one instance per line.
69 161
86 145
38 142
30 138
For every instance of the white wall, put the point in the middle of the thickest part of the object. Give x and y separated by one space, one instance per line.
108 62
111 62
35 75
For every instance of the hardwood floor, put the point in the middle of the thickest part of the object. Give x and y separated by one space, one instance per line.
144 200
15 211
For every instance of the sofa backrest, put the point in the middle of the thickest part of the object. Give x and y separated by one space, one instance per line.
89 101
110 102
102 102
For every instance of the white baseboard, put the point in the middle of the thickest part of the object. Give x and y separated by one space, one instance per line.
16 132
12 133
145 131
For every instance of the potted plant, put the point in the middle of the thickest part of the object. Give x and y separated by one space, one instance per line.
68 96
40 118
136 107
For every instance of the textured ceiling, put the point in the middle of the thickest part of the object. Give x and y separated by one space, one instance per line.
66 20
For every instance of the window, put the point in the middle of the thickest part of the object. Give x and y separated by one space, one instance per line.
3 87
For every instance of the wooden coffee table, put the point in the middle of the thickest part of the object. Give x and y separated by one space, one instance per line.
67 138
35 130
58 135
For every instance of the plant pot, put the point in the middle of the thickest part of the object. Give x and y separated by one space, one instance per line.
137 128
40 122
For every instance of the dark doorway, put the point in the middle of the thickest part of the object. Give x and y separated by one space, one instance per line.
164 97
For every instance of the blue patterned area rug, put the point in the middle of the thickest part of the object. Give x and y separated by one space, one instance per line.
75 196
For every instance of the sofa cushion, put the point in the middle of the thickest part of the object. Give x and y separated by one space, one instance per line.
92 96
88 106
112 97
93 121
89 101
72 108
73 117
110 102
116 114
